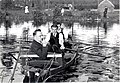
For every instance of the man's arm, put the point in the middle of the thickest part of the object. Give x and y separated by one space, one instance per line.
46 40
61 41
39 50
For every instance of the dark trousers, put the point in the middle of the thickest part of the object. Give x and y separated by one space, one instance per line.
30 78
68 45
54 48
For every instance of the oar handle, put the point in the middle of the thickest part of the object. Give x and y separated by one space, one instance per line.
68 49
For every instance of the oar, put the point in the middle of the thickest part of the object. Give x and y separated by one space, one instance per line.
81 51
102 46
12 77
48 69
45 68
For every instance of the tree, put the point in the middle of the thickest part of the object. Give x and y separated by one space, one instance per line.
39 18
6 4
5 18
7 23
57 12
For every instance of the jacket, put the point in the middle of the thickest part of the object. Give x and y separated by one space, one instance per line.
38 49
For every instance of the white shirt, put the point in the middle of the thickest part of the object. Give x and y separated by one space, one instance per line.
61 40
26 10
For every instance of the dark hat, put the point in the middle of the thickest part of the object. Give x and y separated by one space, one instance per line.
54 25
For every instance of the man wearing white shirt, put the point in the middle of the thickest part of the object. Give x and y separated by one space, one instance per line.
56 41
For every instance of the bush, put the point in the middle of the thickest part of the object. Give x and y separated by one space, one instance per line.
68 13
6 4
39 18
90 14
1 18
57 12
79 7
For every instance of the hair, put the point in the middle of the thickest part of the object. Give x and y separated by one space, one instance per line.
59 23
34 33
54 25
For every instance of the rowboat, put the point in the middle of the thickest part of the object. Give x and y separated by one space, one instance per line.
57 64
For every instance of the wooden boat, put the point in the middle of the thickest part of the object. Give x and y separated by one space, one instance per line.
55 65
49 71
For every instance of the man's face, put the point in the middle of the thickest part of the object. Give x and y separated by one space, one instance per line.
54 29
59 26
39 36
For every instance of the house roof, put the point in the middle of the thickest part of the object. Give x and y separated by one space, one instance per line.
106 1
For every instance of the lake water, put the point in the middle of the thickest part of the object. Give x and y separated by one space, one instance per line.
104 34
107 34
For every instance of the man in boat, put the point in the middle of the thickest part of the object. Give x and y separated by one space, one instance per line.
39 47
67 40
56 40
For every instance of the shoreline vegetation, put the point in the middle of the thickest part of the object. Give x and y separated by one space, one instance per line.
82 12
78 16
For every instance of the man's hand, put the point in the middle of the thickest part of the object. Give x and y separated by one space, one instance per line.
44 43
62 47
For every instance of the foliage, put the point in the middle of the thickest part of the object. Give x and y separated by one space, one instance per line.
79 7
1 17
90 15
67 13
39 18
6 19
7 4
68 24
57 12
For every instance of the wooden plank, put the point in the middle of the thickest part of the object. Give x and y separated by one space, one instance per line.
102 46
26 56
34 55
54 55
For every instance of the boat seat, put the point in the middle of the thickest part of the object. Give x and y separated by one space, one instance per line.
29 56
36 56
50 54
42 63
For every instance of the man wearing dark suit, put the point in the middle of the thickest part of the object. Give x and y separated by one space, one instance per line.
39 47
56 41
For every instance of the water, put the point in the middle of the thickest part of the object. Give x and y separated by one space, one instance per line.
104 34
107 34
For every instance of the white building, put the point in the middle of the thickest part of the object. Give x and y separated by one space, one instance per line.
104 4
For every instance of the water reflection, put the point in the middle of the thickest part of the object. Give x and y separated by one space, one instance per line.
97 33
113 36
101 34
105 27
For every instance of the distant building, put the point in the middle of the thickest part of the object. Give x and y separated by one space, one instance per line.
106 4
